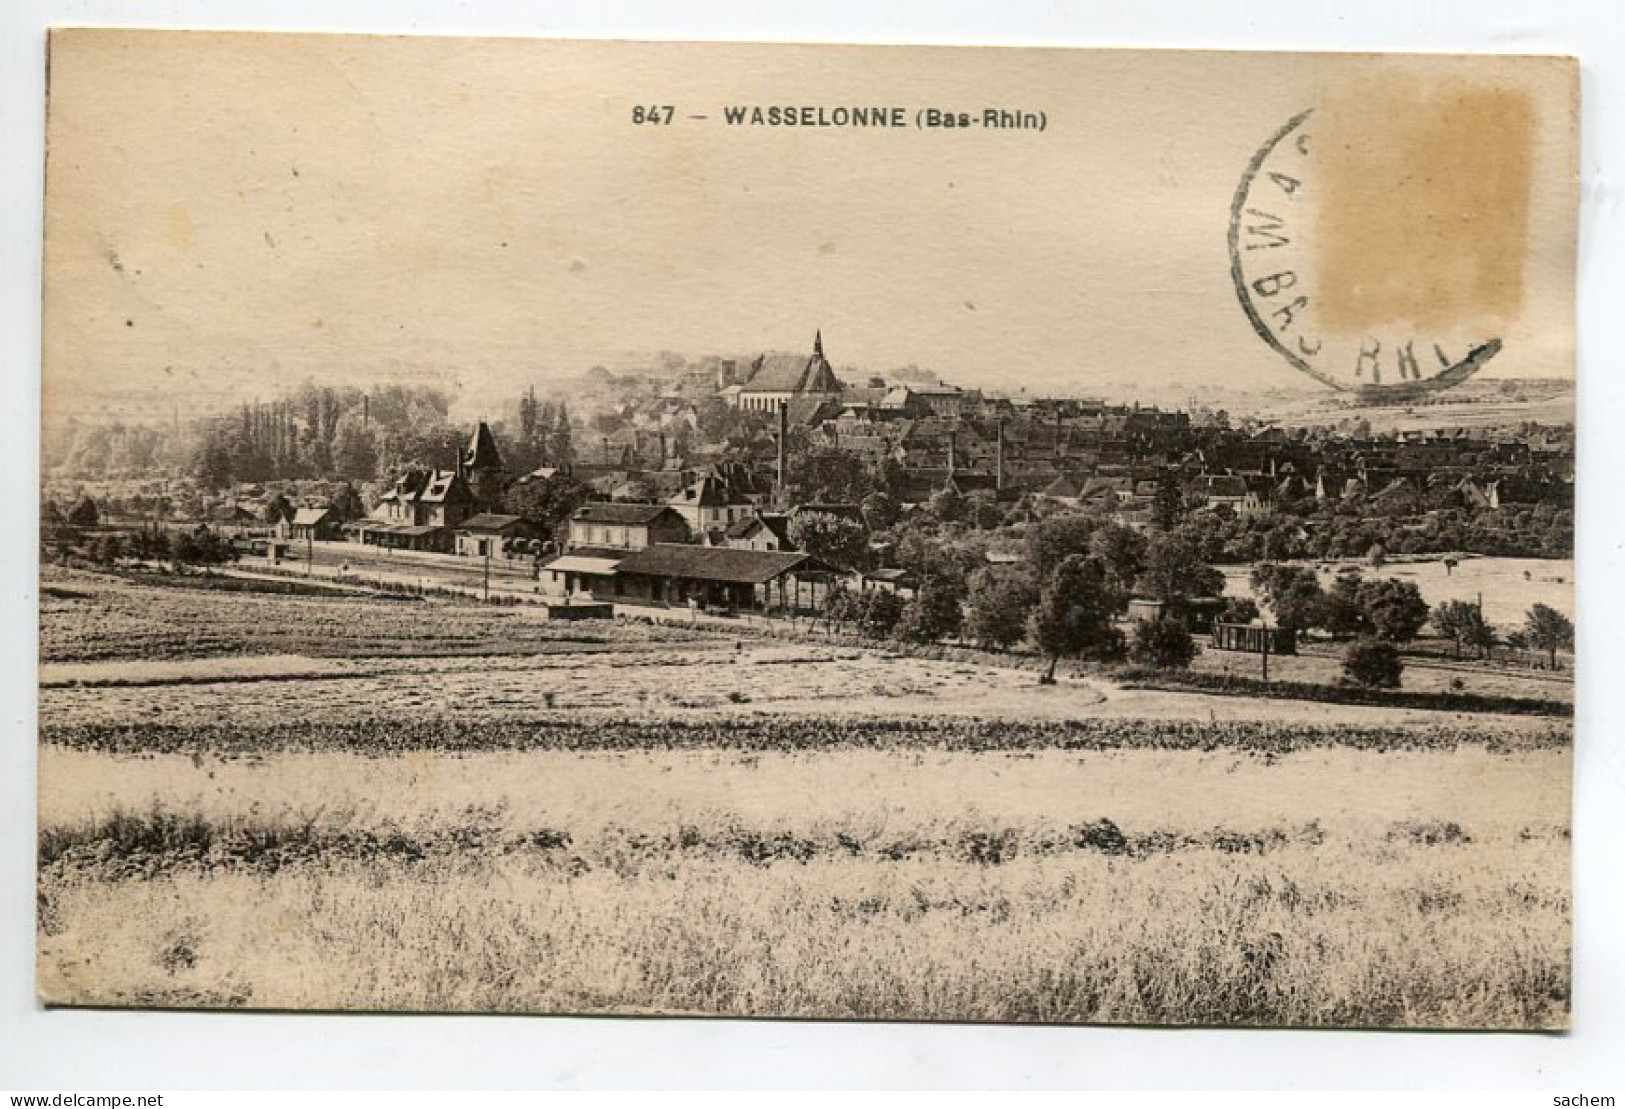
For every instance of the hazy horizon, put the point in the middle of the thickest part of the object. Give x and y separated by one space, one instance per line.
235 213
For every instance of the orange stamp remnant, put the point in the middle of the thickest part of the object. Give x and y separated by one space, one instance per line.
1378 243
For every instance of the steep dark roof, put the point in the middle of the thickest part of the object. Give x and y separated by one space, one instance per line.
709 491
482 450
776 523
790 373
680 560
601 512
442 484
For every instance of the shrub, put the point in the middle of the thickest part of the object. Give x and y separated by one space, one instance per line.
1163 643
1373 663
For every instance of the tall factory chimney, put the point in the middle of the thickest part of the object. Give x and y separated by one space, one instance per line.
998 460
784 435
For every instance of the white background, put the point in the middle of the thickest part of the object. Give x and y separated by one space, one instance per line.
154 1051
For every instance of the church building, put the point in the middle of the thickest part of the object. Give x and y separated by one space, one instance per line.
779 377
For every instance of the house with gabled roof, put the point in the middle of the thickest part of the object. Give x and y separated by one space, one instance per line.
418 512
626 527
492 533
761 531
720 497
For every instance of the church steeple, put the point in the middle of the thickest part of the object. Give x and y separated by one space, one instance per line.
818 343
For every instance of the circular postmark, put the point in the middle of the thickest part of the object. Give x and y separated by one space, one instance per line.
1276 252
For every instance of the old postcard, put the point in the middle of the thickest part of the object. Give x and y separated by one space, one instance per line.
807 531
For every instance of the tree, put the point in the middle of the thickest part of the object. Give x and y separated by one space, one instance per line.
1341 612
560 451
1293 592
946 506
1239 610
1174 571
1549 630
1373 663
84 514
934 613
835 539
347 503
106 549
829 474
880 613
1052 539
998 605
1122 549
545 502
842 606
982 511
1169 504
1074 613
879 510
201 547
1164 643
1393 609
212 465
355 454
1464 622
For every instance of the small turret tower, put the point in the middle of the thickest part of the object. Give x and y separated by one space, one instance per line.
483 469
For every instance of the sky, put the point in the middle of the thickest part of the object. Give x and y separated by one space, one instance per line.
228 214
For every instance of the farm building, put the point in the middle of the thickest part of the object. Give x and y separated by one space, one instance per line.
485 534
581 570
311 522
720 577
1255 639
904 583
627 527
1197 614
763 531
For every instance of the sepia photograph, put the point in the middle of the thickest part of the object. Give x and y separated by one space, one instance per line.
941 534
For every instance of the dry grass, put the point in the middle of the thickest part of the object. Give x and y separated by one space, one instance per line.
116 618
1138 886
639 819
1340 935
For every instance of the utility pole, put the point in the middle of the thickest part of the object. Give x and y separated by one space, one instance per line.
489 543
310 551
1265 653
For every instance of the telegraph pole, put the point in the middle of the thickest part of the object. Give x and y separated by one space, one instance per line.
489 543
1264 655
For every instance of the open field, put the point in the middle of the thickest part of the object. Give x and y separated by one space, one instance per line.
87 617
1509 586
612 817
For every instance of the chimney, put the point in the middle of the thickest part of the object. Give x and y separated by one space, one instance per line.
998 461
784 434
